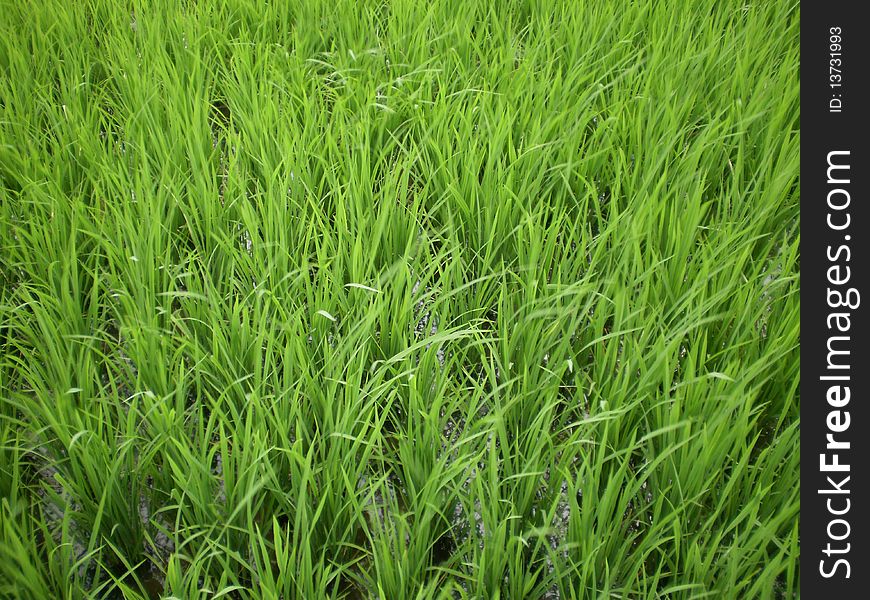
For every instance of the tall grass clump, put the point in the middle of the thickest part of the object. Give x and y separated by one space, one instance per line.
430 300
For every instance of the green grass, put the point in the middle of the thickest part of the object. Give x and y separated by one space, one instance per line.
396 300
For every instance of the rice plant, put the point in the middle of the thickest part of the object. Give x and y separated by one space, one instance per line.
399 299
